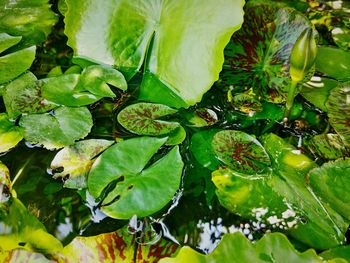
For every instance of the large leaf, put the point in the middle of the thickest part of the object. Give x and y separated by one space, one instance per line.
76 161
160 31
136 186
235 247
23 95
339 111
10 134
330 182
258 54
20 256
31 19
144 118
57 129
241 152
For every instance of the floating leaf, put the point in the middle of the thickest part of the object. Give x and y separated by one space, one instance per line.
246 103
10 134
20 256
258 54
339 111
338 252
57 129
159 31
330 182
95 79
241 152
136 186
341 36
201 117
333 62
23 95
272 247
32 20
143 118
177 136
76 161
7 41
202 149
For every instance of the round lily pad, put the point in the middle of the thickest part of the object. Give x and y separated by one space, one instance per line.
241 152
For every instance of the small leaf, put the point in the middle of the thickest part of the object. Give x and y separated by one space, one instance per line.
57 129
136 186
10 134
7 41
5 186
330 183
339 111
23 95
241 152
95 79
76 161
143 118
338 252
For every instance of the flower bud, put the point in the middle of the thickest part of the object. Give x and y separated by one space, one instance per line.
303 55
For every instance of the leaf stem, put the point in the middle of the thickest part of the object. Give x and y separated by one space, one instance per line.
20 171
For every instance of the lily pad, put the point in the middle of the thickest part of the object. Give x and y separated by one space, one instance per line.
32 20
136 186
241 152
76 161
59 128
10 134
144 119
339 111
159 31
273 247
20 255
330 182
23 95
258 54
7 41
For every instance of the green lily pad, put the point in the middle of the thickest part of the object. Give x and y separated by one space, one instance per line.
258 54
7 41
61 127
330 182
32 20
246 103
96 78
127 32
201 117
76 161
136 186
339 111
341 36
338 252
272 247
176 136
10 134
241 152
23 95
143 118
333 62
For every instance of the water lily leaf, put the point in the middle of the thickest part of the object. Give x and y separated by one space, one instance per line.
10 134
328 146
246 103
341 36
143 118
258 54
202 117
176 136
14 64
329 183
323 227
159 31
32 20
76 161
7 41
333 62
338 252
119 246
57 129
23 95
272 247
202 149
95 79
241 152
136 186
339 111
20 256
5 186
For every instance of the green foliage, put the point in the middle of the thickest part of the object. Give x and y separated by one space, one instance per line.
10 134
158 34
161 179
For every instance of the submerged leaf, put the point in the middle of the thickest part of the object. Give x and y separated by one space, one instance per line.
57 129
241 152
159 31
76 161
10 134
338 105
258 54
136 186
272 247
